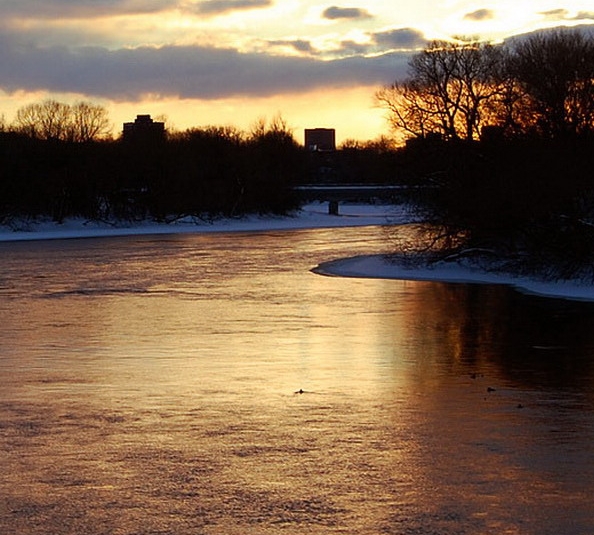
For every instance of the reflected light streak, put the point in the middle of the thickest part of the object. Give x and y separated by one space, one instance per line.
145 376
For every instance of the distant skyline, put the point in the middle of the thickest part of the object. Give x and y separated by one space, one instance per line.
236 61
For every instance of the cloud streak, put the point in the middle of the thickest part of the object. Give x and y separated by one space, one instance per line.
400 38
183 71
564 14
585 15
480 15
335 13
219 7
66 9
555 13
405 40
60 10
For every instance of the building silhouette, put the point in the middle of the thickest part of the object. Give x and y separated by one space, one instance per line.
144 130
320 139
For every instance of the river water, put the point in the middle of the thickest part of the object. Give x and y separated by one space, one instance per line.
151 385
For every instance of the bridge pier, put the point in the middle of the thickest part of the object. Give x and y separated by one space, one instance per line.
363 193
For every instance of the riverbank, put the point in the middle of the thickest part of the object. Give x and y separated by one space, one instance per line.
314 215
385 267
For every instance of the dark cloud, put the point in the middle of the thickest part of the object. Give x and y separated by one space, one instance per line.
335 12
585 15
555 13
404 40
301 45
586 30
352 48
65 9
563 14
480 14
217 7
401 38
183 71
50 34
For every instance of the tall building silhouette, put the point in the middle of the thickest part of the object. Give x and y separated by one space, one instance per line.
320 139
144 130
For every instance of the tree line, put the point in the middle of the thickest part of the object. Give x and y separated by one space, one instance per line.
80 122
59 161
540 86
500 141
499 155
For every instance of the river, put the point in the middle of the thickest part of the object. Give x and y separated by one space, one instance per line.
212 384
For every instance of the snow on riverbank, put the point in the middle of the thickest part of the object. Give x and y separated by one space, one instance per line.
313 215
380 266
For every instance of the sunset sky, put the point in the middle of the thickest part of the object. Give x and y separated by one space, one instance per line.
204 62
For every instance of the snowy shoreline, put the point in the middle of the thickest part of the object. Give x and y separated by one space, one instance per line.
382 267
313 215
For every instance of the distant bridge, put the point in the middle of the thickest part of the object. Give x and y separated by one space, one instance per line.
349 192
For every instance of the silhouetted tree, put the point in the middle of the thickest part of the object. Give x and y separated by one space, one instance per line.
541 85
377 161
446 92
204 167
273 163
50 119
554 72
89 122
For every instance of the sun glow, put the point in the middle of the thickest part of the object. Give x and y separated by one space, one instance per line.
114 51
358 118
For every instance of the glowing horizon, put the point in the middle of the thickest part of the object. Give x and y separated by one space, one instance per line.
237 61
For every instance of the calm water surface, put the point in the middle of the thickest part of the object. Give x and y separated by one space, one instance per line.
147 386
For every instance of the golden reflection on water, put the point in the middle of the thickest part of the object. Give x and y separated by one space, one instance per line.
148 386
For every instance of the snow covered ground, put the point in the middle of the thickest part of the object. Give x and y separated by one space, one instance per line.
379 266
310 216
313 215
